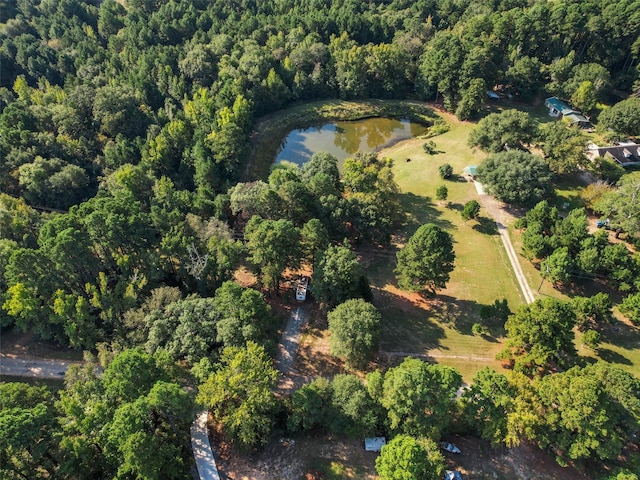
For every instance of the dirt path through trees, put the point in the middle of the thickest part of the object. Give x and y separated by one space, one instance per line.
288 347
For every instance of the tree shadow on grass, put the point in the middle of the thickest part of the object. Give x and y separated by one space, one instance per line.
419 210
613 357
455 313
407 325
486 226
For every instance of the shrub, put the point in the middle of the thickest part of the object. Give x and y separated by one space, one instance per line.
445 170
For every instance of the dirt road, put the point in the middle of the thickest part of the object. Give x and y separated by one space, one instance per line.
288 348
496 210
34 367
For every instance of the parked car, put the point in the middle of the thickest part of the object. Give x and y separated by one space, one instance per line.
455 475
603 223
449 447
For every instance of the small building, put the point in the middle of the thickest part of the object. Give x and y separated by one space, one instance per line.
470 171
558 107
624 154
578 119
374 444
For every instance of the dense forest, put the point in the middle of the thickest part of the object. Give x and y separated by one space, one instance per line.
125 135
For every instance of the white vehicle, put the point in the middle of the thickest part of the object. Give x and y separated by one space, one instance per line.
449 447
301 289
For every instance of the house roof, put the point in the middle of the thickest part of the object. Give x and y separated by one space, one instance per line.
625 154
559 105
576 118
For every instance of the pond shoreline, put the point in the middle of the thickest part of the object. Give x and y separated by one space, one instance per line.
272 129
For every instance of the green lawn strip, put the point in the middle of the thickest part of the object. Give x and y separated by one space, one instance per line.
482 274
338 469
272 129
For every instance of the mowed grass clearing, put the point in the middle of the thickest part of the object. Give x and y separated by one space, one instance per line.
439 328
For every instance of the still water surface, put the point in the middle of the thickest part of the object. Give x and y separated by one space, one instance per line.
345 139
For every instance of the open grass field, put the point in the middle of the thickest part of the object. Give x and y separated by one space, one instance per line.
439 328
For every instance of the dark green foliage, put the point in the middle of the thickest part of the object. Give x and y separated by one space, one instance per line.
119 422
354 413
310 406
590 412
273 246
442 193
470 210
372 193
242 315
499 311
338 276
28 445
506 130
445 171
426 260
540 337
487 403
630 307
355 332
623 117
591 339
568 250
405 458
558 266
516 177
621 205
563 147
419 398
429 148
239 394
592 312
185 328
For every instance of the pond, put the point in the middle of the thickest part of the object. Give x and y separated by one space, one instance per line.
345 139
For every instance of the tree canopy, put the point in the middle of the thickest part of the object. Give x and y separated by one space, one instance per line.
623 118
338 276
516 177
418 397
355 332
239 394
426 260
405 458
540 336
508 129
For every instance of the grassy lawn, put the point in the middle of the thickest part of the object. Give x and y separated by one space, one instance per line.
439 328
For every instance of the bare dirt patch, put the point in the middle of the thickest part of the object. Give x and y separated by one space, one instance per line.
326 457
26 345
321 456
479 460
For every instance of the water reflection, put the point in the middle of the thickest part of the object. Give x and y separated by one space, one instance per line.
345 139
